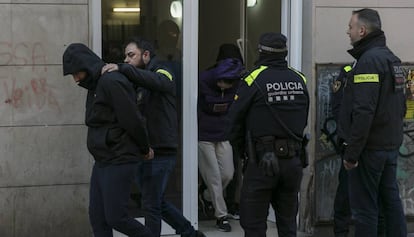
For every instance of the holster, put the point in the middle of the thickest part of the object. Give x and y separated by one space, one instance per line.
266 157
264 145
304 158
251 151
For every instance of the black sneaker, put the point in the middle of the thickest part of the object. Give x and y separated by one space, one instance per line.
223 224
206 206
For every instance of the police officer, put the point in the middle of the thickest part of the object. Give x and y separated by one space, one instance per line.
342 211
271 110
371 123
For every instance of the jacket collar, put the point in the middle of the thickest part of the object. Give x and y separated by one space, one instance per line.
373 39
273 60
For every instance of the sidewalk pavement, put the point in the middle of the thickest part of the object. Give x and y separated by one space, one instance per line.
210 230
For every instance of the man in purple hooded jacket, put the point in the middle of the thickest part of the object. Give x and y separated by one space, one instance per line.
217 87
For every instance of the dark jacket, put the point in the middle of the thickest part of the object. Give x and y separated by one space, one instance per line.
270 83
214 102
157 84
116 130
338 91
371 116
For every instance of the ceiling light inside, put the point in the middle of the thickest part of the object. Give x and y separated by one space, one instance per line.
251 3
176 9
126 9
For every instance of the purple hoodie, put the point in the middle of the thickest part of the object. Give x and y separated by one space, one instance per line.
214 102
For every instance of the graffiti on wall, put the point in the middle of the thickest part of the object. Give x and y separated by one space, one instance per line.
33 92
326 126
327 163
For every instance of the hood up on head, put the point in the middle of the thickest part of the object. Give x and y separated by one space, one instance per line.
229 51
78 57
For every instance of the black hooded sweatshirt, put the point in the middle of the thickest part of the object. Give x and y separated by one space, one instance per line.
116 130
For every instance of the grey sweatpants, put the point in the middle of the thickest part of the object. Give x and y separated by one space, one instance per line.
215 162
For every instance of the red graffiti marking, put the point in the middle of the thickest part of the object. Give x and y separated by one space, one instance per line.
24 53
37 95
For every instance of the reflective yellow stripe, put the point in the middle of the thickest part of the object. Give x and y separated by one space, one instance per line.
166 73
252 76
299 73
347 68
360 78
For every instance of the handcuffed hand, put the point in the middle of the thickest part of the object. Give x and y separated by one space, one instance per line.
110 67
269 164
150 154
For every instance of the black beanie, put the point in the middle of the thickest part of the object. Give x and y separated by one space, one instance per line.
228 51
271 42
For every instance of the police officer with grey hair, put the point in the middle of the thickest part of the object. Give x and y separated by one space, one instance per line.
269 113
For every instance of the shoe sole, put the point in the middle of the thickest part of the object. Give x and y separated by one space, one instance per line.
223 230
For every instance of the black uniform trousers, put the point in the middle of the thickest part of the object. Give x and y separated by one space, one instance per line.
281 191
342 210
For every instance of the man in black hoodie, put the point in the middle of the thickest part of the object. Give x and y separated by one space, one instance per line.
117 139
371 127
157 89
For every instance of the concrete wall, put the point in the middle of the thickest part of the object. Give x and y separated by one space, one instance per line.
331 23
325 41
44 164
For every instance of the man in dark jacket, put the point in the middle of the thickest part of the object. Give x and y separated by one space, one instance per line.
271 108
157 99
216 89
117 139
371 127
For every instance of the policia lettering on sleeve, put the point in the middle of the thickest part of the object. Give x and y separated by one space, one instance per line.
363 78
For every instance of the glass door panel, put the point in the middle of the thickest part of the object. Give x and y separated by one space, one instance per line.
260 16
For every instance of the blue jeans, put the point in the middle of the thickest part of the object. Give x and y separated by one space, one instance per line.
108 201
375 179
152 181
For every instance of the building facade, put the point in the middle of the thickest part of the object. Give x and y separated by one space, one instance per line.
44 164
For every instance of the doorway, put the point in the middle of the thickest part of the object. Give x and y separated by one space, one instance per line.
217 22
237 22
240 23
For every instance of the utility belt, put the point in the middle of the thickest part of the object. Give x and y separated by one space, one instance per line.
267 150
283 148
